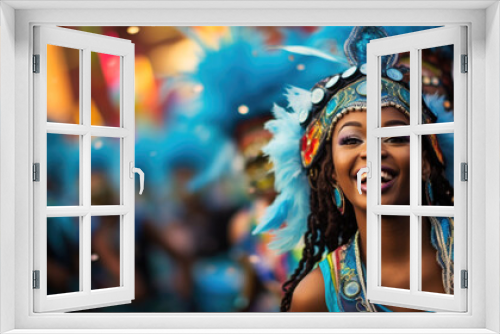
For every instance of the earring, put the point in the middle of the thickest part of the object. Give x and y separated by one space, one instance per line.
429 194
338 198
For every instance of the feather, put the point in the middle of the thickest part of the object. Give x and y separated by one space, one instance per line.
291 207
309 51
298 99
221 165
274 216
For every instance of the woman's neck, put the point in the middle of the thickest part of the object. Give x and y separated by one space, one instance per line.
395 237
396 254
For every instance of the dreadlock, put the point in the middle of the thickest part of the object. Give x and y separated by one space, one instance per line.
327 228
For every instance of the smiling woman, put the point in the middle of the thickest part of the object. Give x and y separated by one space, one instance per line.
333 150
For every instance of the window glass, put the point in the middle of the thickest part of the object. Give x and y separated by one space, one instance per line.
63 255
105 81
105 252
63 170
63 84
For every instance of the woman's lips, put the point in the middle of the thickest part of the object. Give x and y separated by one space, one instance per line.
363 187
388 173
385 186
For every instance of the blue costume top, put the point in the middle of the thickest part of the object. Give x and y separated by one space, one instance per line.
344 286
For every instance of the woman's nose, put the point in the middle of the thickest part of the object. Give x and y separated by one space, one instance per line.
383 152
363 154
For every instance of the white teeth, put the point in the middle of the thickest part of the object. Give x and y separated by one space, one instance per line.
363 177
385 177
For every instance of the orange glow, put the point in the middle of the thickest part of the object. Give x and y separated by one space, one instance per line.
133 30
211 36
174 58
96 116
243 109
62 100
146 90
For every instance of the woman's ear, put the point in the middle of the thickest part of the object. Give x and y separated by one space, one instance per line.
426 167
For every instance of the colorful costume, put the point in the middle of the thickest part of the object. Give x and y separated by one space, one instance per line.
345 286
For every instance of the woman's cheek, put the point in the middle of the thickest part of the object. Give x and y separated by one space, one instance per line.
339 160
405 156
344 163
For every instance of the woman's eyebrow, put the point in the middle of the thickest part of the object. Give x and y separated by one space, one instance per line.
350 124
394 122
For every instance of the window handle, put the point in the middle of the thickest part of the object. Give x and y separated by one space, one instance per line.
141 175
360 173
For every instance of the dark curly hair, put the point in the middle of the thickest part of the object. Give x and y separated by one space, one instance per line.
327 228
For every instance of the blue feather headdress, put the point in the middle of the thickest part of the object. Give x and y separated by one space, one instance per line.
286 217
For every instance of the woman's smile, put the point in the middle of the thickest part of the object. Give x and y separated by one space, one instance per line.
388 178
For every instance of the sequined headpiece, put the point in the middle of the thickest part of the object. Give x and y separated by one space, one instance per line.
336 96
332 100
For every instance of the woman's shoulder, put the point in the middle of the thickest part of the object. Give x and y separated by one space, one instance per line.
317 292
309 296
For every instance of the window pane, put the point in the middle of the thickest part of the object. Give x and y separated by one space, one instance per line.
105 167
105 80
395 241
437 82
437 169
395 93
63 255
63 84
437 254
105 255
63 170
395 170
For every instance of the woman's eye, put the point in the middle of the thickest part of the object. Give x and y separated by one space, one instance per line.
397 140
349 141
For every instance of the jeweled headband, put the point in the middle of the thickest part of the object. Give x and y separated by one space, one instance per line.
338 95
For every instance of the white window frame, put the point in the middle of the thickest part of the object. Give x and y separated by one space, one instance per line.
413 43
85 43
18 18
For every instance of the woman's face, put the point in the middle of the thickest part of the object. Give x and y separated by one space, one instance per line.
349 156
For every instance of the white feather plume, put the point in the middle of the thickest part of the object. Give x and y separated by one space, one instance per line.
308 51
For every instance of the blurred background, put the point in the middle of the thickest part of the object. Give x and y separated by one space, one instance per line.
202 97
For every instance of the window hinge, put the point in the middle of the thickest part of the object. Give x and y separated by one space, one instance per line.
465 64
36 63
464 171
36 172
465 279
36 279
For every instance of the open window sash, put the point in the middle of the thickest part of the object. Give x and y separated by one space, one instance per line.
84 296
414 297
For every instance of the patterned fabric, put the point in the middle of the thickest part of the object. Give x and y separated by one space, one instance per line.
343 292
343 288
